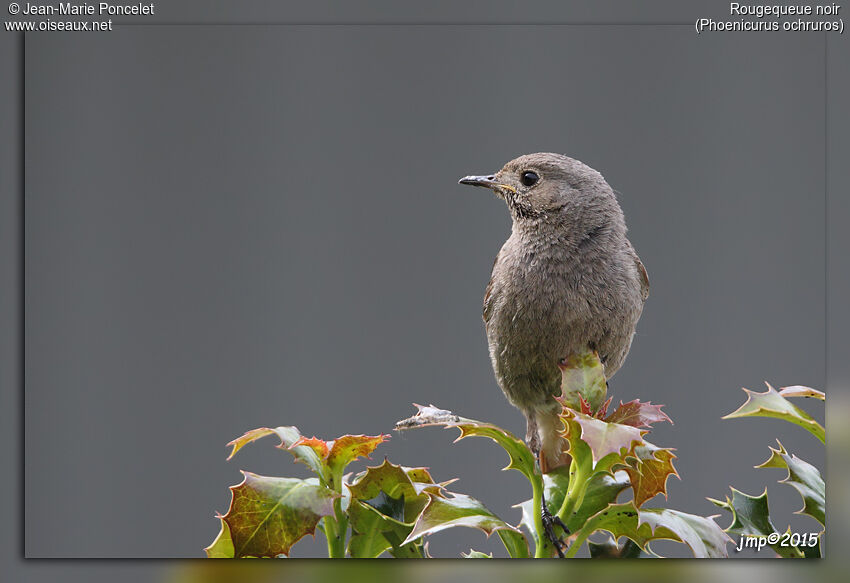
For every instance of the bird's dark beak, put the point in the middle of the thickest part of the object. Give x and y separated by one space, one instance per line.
486 181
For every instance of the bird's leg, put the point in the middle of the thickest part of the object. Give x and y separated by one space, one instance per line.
549 520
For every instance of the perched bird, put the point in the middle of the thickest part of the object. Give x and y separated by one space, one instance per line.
566 281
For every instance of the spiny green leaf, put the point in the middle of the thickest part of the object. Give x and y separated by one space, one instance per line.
805 478
751 516
772 404
638 414
222 546
702 535
367 546
649 471
602 490
521 458
515 543
268 515
473 554
583 377
458 510
388 506
610 550
395 482
368 540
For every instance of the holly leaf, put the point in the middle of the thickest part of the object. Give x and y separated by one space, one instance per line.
369 525
602 490
460 510
319 446
395 482
268 515
649 467
702 535
638 414
772 404
347 448
751 516
602 437
801 391
608 549
288 436
583 378
521 458
472 554
804 477
222 546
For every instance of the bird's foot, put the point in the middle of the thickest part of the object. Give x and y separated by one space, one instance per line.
550 521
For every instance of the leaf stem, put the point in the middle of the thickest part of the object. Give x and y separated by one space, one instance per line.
542 547
575 491
336 526
332 535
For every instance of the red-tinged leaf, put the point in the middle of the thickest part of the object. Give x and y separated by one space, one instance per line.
349 447
602 437
319 446
585 408
268 515
649 472
637 414
801 391
604 408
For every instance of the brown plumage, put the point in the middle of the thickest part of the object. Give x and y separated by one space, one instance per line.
566 280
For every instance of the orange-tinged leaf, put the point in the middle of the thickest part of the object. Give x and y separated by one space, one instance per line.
288 436
317 445
247 438
349 447
268 515
649 474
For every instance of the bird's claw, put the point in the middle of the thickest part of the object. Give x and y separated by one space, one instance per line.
550 521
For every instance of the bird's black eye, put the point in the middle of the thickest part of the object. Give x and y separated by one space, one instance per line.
529 178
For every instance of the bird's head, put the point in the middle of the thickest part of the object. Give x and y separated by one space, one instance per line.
554 189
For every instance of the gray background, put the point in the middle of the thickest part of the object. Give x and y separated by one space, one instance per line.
176 176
